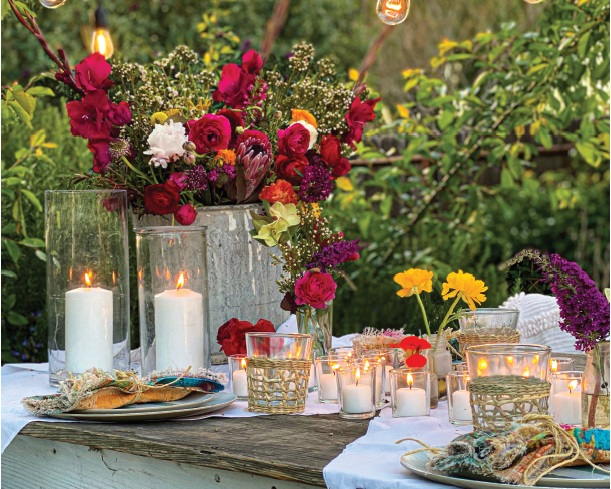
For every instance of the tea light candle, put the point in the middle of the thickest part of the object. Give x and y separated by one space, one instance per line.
357 398
239 382
461 406
328 384
179 328
89 328
567 406
411 401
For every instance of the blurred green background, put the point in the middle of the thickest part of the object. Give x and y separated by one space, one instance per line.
548 189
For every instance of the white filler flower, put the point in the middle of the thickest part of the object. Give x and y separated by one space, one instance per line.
165 143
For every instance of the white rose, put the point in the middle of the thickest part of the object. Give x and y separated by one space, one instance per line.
312 130
165 142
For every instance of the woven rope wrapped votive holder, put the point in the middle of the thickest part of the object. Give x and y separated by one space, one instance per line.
485 326
466 340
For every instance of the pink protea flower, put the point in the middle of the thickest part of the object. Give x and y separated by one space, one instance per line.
254 154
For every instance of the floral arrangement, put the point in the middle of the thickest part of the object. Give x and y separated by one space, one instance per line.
584 309
458 286
176 135
232 335
412 346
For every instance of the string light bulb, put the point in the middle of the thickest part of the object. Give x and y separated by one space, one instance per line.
392 12
101 41
52 3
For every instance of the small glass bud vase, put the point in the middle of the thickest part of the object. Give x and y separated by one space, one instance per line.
173 297
356 391
237 376
459 404
87 281
439 361
326 373
410 392
595 387
565 402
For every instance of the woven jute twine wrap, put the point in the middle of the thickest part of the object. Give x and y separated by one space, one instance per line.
499 400
474 339
277 386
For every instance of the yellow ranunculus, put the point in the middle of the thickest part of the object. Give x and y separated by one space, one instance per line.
303 115
414 281
471 290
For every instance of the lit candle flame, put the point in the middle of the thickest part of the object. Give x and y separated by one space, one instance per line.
526 372
482 364
535 360
335 367
367 365
357 376
87 280
509 361
572 385
180 282
243 363
554 366
410 380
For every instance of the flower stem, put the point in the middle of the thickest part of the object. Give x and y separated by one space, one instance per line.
134 169
426 319
449 313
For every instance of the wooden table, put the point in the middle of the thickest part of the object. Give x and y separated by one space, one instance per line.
273 452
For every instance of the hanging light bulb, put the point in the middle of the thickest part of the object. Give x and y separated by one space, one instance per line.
52 3
100 39
392 12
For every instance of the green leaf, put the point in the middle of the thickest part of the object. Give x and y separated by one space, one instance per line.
8 273
4 8
11 300
32 198
10 181
21 113
33 242
41 255
38 138
25 100
536 68
582 45
23 8
16 319
506 178
589 153
40 92
13 250
445 119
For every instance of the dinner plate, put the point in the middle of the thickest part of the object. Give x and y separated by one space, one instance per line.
217 401
195 399
570 477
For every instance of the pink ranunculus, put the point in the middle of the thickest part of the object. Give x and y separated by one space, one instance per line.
210 133
293 140
233 86
359 114
179 179
315 289
185 214
101 154
92 73
252 62
89 118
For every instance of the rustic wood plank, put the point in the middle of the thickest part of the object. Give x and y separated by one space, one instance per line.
32 463
293 448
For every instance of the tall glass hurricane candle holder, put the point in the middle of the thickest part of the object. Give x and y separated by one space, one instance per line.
278 372
508 381
356 391
459 405
410 392
486 325
87 281
173 297
565 402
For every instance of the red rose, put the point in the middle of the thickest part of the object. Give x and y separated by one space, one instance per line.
232 336
279 191
252 62
92 73
263 326
293 140
101 154
234 86
287 168
89 118
359 114
315 289
331 153
210 133
162 198
185 214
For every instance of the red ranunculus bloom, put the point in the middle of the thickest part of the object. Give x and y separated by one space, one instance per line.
359 114
232 336
234 86
293 140
101 154
252 62
89 118
315 289
92 73
331 153
162 198
185 214
279 191
287 168
210 133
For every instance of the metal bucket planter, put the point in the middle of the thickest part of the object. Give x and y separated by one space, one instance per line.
241 275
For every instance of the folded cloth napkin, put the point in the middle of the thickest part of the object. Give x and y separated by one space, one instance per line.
96 389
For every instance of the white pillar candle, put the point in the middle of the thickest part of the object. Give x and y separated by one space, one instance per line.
179 329
461 407
357 399
239 384
328 386
411 401
89 326
567 408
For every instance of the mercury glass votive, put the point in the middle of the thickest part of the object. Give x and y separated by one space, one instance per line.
565 401
459 404
237 375
410 392
356 391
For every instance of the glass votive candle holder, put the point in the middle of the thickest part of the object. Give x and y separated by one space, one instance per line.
488 320
342 351
355 388
391 355
565 403
237 376
410 392
279 346
560 364
459 404
326 373
370 358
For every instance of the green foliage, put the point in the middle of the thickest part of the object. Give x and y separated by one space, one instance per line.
439 208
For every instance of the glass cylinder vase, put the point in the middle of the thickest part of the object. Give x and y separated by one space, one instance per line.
173 297
318 324
87 281
595 387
